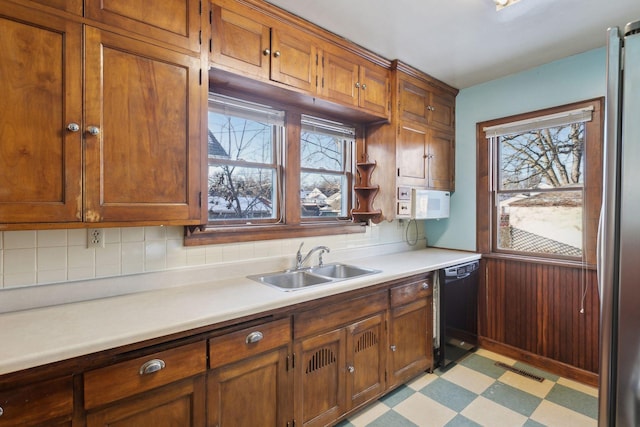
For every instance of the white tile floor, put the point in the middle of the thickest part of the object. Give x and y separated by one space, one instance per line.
476 392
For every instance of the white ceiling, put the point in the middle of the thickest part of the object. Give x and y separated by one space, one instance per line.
466 42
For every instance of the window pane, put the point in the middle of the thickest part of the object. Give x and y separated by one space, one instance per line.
543 222
321 151
321 195
546 158
241 192
236 138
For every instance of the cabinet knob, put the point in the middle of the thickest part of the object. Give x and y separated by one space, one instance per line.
71 127
425 286
93 130
364 86
1 411
153 365
266 52
351 369
254 337
357 84
393 348
431 108
276 53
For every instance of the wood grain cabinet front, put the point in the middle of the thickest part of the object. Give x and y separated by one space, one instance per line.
249 42
43 403
250 382
342 368
164 389
97 126
410 330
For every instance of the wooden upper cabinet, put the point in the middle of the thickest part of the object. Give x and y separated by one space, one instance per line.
293 59
419 102
241 42
71 6
424 157
250 43
350 80
142 159
41 161
171 21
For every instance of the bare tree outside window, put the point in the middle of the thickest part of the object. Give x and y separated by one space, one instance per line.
242 168
540 190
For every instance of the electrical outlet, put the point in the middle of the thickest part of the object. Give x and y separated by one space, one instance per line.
95 238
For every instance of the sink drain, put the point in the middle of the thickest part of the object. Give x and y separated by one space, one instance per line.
520 372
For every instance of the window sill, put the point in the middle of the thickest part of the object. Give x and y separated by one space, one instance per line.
215 235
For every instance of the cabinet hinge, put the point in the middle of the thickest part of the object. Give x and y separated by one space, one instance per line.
316 61
316 81
200 199
323 82
200 36
398 171
210 16
200 7
200 77
293 360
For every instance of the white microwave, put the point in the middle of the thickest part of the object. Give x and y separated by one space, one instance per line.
418 203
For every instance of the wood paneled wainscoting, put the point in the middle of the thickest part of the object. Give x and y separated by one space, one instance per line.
531 311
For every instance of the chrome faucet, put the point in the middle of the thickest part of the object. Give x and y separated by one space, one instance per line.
301 261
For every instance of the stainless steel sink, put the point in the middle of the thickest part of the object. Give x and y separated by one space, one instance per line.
313 276
290 280
341 271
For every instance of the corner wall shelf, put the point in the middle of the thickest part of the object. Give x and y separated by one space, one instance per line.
365 193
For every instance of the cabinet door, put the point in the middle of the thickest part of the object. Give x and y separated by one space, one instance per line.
413 101
41 86
241 42
441 160
339 80
72 6
320 378
411 155
171 21
254 392
410 340
144 104
441 110
374 89
366 358
176 405
293 59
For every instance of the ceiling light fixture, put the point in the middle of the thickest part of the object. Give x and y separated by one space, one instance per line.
501 4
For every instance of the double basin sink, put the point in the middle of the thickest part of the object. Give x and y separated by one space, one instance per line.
292 280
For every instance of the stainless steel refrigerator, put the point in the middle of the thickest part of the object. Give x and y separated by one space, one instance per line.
619 235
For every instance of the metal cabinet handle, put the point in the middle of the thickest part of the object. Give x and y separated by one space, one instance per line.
276 53
153 365
351 369
93 130
364 86
1 411
393 348
357 84
425 286
72 127
254 337
266 52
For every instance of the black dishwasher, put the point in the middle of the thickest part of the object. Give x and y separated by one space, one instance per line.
458 312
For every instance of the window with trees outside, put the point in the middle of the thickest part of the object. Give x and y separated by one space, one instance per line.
326 150
543 176
275 173
245 162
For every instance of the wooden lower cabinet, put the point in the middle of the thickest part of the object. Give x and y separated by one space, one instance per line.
339 370
176 405
47 403
410 330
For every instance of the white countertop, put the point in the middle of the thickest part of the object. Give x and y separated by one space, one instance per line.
39 336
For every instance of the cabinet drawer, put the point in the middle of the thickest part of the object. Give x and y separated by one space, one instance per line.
144 373
37 403
404 294
335 315
248 342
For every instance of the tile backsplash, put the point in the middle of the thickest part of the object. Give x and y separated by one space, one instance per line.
32 258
